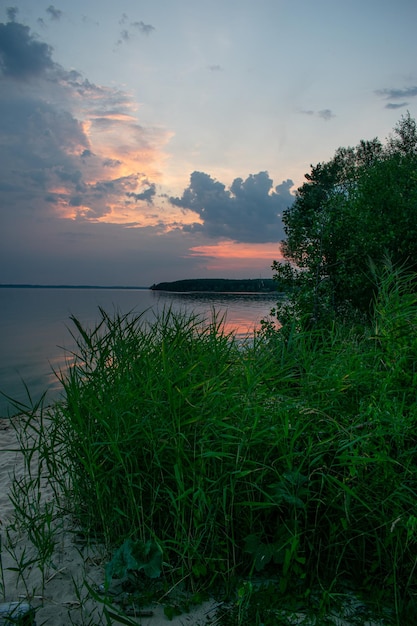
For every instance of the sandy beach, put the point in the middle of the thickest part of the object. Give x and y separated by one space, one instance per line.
56 588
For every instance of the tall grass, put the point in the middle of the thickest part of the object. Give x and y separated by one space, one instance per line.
162 435
293 455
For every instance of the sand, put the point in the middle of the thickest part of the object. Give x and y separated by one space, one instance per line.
57 591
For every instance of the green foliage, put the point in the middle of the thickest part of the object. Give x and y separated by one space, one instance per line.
254 285
291 457
133 557
357 208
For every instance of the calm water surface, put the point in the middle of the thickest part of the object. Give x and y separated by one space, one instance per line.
35 323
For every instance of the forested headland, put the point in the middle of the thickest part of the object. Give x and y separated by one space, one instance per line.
219 285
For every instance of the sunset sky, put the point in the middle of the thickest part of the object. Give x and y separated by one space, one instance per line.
152 140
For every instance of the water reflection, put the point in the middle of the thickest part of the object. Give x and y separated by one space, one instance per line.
240 313
34 323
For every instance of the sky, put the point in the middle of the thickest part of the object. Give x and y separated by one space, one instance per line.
154 140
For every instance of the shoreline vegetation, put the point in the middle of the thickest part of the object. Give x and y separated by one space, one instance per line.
277 476
219 285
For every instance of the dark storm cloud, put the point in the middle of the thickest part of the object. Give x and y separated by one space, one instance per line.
249 212
21 55
54 14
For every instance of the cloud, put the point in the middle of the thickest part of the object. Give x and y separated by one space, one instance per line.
111 163
70 149
324 114
248 212
146 29
54 14
397 94
215 68
392 105
60 252
11 13
80 177
126 33
36 136
147 195
21 55
124 36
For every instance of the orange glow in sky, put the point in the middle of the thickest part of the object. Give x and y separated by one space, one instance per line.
233 250
232 256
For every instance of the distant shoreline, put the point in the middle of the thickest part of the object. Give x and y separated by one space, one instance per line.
28 286
218 285
192 285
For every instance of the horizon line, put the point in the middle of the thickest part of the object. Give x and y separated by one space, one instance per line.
63 286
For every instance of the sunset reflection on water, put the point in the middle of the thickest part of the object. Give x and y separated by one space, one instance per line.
35 322
240 313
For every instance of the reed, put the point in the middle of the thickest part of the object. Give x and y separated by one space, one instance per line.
291 456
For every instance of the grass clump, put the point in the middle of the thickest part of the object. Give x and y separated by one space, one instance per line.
291 457
153 436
